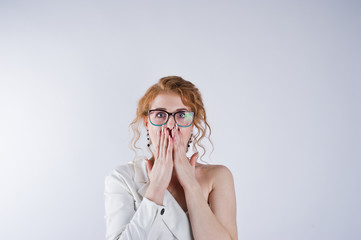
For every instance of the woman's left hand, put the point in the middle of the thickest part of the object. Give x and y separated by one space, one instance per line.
184 167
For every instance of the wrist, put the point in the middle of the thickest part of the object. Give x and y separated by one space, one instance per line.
192 187
155 194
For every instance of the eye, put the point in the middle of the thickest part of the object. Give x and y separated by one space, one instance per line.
160 114
181 114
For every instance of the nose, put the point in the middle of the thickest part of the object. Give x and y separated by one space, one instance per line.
171 122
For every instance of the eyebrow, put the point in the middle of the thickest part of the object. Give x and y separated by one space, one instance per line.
179 109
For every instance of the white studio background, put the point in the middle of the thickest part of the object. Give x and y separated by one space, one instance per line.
280 81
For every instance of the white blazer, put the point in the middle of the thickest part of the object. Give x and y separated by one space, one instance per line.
129 215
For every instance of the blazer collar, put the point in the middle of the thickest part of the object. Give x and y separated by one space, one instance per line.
140 170
174 218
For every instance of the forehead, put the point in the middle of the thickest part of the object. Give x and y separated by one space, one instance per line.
171 102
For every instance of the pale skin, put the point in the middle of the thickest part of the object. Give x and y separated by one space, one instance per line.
206 192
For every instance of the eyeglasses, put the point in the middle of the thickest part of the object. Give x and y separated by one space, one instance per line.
161 117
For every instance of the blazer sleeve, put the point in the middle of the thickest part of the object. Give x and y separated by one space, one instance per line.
122 220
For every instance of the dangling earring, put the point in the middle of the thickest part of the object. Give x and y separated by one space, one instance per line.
148 138
190 140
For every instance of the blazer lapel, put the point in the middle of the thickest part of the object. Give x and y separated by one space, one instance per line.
175 218
140 171
140 177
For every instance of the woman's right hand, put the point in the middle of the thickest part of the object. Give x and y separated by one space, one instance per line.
160 172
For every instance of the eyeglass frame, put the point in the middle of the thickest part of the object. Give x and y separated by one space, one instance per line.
168 114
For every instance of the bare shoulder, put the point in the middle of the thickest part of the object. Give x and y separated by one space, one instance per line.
215 174
221 195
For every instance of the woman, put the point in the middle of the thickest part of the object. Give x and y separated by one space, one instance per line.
170 196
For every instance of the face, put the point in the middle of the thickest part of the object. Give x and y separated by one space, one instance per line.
170 103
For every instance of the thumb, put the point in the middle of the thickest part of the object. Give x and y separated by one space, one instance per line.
194 159
149 165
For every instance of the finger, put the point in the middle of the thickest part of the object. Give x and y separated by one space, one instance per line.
162 142
194 159
176 136
173 133
180 143
170 148
149 166
179 136
166 140
159 134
